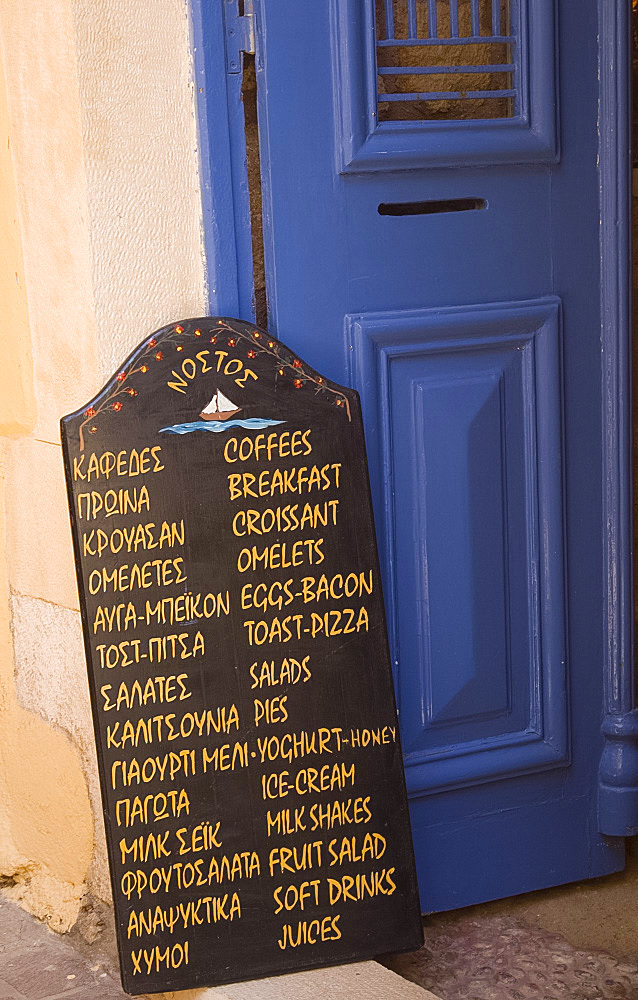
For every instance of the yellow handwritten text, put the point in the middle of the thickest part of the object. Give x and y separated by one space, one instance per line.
266 445
156 689
269 482
152 808
152 573
308 780
124 463
139 536
290 517
156 959
122 501
170 727
184 875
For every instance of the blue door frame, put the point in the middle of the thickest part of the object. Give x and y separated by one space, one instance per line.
613 722
224 180
618 781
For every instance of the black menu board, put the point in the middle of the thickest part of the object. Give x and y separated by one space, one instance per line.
250 765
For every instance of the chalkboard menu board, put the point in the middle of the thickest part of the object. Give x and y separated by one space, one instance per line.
249 756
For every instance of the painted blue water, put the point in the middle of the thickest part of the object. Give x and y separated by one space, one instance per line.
217 426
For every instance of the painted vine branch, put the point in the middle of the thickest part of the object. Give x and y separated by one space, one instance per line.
259 341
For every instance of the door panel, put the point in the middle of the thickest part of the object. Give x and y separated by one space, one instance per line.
464 420
473 336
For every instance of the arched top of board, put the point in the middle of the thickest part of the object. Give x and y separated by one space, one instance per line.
241 688
192 360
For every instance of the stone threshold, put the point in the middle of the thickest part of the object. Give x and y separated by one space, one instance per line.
359 981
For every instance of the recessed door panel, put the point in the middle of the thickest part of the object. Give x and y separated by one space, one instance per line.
469 433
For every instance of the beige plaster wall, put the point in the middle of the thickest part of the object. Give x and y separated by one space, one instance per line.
42 785
100 221
142 171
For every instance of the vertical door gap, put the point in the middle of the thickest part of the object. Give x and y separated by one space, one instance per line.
634 300
253 170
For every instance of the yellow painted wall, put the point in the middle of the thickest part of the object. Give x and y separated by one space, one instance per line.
17 415
42 785
100 224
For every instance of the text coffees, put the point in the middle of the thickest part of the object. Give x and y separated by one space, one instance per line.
248 748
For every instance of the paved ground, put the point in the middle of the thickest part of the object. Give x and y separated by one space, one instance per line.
36 964
470 956
575 942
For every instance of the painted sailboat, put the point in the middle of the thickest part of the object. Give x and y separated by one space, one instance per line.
219 408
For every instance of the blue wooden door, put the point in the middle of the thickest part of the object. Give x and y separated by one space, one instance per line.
443 230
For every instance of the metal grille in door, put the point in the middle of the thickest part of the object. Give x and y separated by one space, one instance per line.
446 59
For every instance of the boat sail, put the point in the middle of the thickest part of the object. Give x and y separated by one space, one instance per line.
219 408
